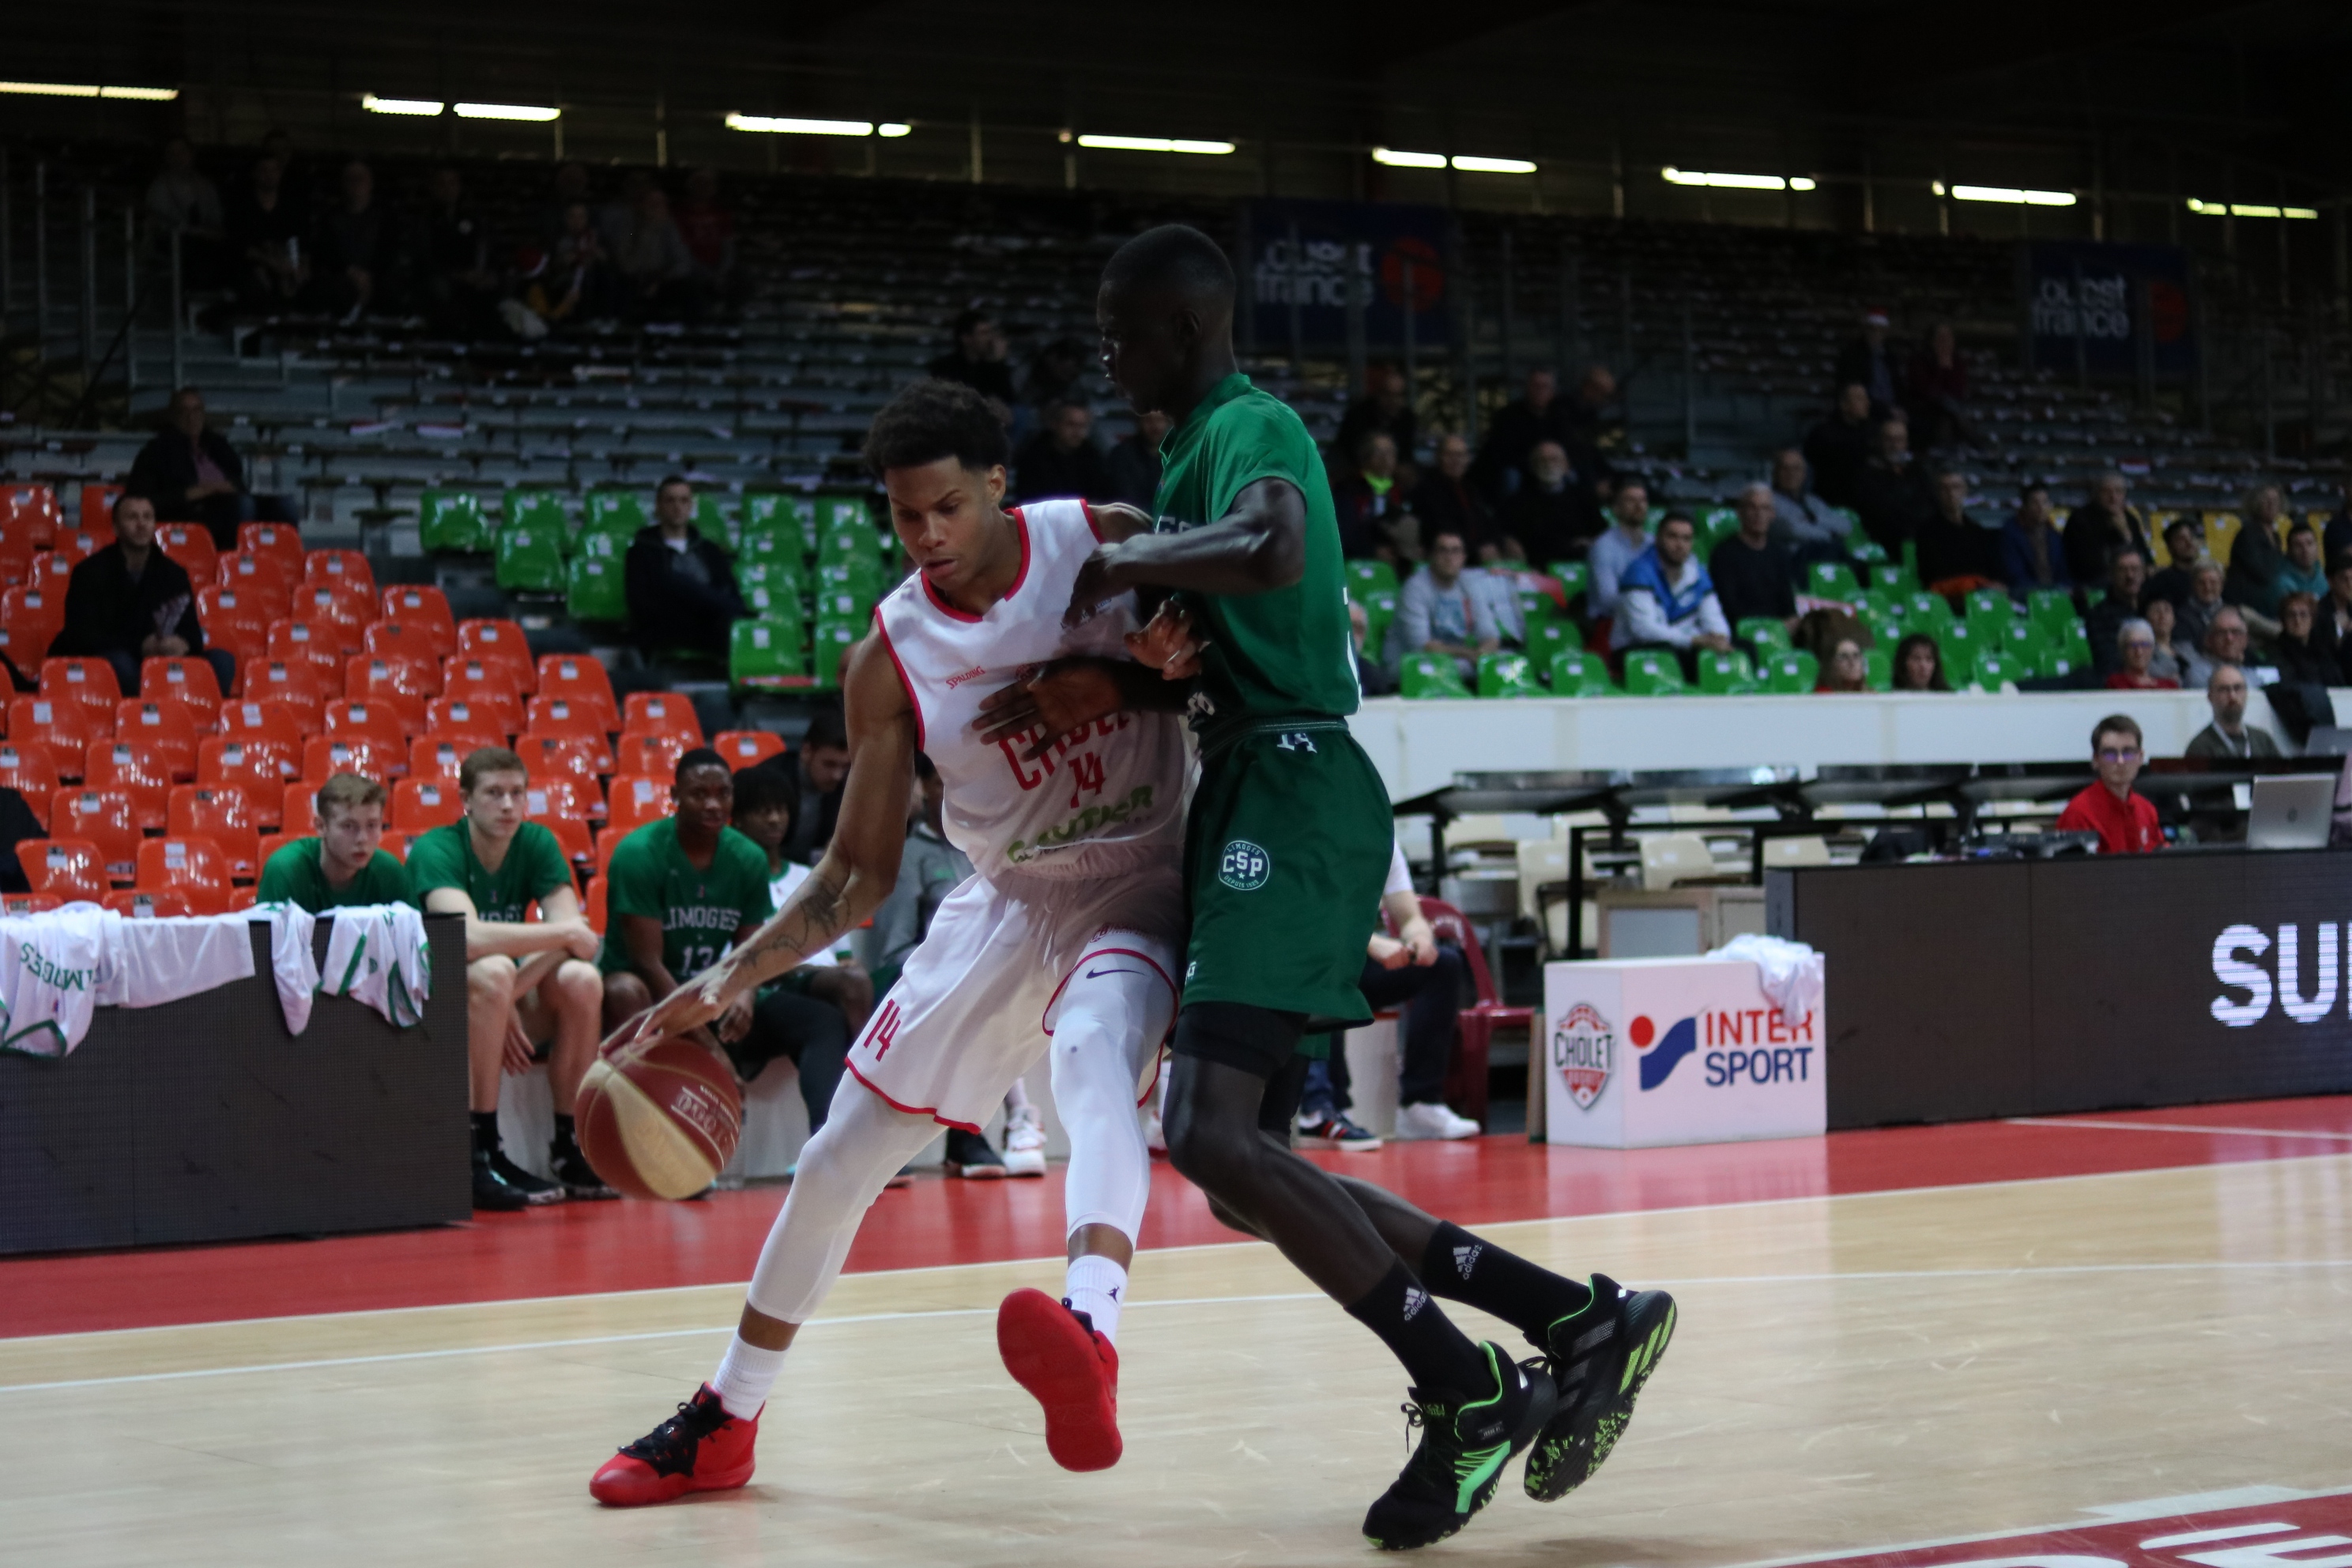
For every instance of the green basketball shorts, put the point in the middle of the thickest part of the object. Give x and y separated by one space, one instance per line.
1286 852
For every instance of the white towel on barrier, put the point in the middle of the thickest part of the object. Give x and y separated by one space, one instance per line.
149 961
379 956
50 966
291 963
1790 972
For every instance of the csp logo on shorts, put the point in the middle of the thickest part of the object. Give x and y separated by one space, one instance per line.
1245 866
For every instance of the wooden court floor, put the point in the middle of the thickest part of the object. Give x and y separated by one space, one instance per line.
1852 1372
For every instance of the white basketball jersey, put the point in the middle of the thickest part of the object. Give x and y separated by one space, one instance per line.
1092 805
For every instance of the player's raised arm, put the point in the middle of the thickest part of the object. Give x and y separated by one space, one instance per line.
1259 545
858 869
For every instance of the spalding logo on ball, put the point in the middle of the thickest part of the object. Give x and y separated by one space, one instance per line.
659 1121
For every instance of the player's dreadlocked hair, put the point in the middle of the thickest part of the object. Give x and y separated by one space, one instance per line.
934 419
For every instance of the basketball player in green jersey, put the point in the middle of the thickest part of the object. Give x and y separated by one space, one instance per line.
1286 853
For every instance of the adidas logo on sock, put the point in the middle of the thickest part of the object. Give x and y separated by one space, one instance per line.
1464 1257
1415 1300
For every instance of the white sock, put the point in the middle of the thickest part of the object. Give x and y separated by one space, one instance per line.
1017 1097
1096 1286
745 1375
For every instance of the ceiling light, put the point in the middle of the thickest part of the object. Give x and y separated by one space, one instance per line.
531 112
2248 209
892 128
80 89
1396 160
1470 165
2007 193
1674 176
789 127
1155 144
425 107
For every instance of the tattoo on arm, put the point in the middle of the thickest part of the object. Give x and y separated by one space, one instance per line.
814 917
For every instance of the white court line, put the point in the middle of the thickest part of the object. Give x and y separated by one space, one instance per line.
2173 1127
526 1345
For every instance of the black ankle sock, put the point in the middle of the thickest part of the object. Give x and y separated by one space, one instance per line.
566 1138
1438 1356
1463 1267
485 1132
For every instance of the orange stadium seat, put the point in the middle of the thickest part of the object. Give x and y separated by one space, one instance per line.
225 814
79 544
191 865
27 649
299 808
104 817
555 716
568 756
411 642
150 903
338 610
636 801
418 805
349 717
191 544
593 905
30 768
396 844
50 572
747 748
425 607
435 759
652 756
570 833
390 683
37 616
17 547
65 726
344 566
321 647
32 505
88 681
137 768
580 679
191 682
465 724
270 719
170 725
280 541
488 685
660 713
96 508
562 795
31 903
324 756
262 578
499 642
71 869
294 684
260 767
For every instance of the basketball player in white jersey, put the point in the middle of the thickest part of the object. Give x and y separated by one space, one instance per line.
1066 936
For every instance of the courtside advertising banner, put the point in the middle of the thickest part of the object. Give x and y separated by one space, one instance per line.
1647 1052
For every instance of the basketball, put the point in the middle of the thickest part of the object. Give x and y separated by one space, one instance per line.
659 1121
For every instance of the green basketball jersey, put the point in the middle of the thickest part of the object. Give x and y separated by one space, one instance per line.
1285 652
700 910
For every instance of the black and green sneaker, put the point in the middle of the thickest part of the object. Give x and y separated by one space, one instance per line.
1599 1357
1464 1447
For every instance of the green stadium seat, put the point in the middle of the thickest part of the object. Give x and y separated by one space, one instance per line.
846 605
603 544
831 644
862 578
1652 672
781 572
789 516
1431 675
2019 641
761 653
623 509
1994 670
1961 643
596 590
835 511
1765 634
1890 578
1573 577
1576 673
1790 672
1878 668
1725 673
529 560
2051 608
1719 524
1832 580
1926 612
1884 630
710 521
1865 551
450 522
1368 576
536 508
1536 607
2068 651
1550 638
1379 613
1508 675
778 606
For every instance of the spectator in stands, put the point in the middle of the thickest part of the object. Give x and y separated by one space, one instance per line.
2126 823
1371 674
1535 416
1919 664
527 982
358 249
1591 427
2198 610
1383 409
2229 738
2127 577
2184 545
192 474
1056 375
810 1016
1062 459
1892 492
1609 555
1373 522
1839 446
180 197
2103 522
2255 561
345 863
657 271
1847 670
1936 390
824 769
1754 575
681 586
708 229
129 601
2337 540
1957 553
2032 554
1551 517
2306 649
1438 613
2135 659
1135 463
1867 362
268 243
1668 599
2163 662
458 285
575 281
2302 573
569 188
1446 499
978 359
2225 643
2336 608
1812 528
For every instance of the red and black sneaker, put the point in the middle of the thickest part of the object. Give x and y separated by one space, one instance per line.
1052 1350
699 1449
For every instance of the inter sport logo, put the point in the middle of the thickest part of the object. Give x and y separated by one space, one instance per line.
1751 1045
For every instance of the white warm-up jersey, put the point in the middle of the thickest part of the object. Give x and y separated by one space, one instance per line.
1094 805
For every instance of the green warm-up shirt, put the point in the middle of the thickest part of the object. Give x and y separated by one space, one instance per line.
292 875
700 910
534 867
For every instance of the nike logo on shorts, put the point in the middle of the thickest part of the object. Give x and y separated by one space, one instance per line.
1098 974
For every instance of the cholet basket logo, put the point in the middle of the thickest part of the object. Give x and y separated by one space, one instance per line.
1583 1052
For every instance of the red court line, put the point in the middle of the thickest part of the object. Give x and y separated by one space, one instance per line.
583 1249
